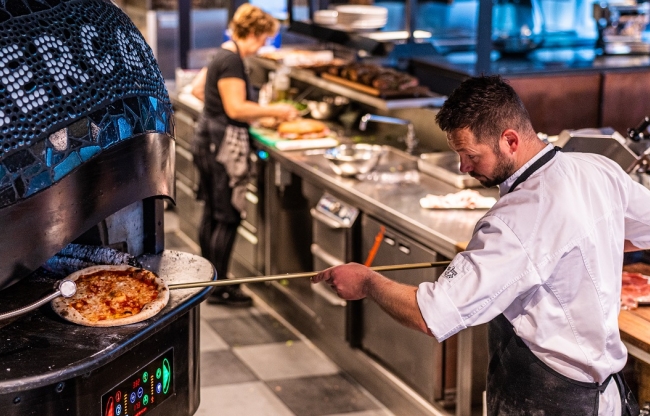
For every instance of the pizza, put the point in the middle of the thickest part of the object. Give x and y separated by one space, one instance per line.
112 296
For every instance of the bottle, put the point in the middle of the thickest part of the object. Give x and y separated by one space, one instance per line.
266 92
281 84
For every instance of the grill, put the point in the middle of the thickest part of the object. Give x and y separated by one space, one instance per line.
87 157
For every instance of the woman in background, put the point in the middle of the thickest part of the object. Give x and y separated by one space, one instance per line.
222 143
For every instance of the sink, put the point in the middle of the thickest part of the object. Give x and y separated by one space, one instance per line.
446 167
395 160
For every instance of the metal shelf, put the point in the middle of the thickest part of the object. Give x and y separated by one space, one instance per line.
309 77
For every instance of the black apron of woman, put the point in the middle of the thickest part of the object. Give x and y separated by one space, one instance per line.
519 383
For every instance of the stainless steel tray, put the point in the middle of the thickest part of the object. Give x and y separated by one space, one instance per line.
446 167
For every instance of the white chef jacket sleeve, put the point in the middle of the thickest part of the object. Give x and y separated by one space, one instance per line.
637 215
480 283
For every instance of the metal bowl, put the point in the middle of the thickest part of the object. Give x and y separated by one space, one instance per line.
354 159
327 108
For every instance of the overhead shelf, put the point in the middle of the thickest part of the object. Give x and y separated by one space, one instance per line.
311 78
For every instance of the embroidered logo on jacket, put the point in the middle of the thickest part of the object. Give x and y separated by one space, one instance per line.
450 273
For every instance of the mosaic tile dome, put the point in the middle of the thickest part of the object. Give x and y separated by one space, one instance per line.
76 77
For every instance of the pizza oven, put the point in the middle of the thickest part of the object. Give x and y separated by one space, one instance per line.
87 160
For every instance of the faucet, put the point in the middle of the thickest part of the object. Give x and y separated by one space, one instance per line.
410 140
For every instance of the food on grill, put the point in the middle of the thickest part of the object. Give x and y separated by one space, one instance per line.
465 199
302 128
634 290
375 76
113 295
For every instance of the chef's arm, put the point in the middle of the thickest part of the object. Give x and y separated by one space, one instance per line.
236 106
198 84
354 281
630 247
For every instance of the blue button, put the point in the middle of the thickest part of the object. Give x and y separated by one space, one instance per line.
118 410
140 392
132 397
158 388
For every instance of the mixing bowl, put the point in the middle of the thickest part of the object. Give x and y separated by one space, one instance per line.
354 159
328 108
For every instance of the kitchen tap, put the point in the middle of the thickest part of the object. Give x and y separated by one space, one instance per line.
410 140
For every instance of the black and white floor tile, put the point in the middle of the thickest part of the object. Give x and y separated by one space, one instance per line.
255 364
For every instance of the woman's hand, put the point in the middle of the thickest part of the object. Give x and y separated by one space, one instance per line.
283 111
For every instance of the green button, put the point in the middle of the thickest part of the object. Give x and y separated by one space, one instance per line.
145 399
145 376
158 373
167 375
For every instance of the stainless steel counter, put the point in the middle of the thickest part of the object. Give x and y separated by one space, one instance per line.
396 205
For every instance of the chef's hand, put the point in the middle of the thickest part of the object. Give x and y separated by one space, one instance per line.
283 111
349 281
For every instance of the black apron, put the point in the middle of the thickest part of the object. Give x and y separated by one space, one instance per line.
519 383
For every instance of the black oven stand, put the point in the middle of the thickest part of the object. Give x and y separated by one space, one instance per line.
49 366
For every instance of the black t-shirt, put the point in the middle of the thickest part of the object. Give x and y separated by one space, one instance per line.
225 64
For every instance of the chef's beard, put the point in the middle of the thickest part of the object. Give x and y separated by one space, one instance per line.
503 170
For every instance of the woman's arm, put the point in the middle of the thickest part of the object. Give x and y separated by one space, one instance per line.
198 84
236 106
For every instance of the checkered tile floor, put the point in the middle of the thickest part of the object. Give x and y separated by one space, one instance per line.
255 364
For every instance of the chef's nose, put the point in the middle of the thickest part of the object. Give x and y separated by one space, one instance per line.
465 166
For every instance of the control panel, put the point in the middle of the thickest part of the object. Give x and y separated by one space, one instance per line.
337 210
143 390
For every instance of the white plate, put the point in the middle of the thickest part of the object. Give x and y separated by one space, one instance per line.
363 12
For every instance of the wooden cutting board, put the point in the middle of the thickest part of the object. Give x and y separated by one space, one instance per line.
272 139
414 92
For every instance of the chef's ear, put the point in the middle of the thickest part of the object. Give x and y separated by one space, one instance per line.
511 140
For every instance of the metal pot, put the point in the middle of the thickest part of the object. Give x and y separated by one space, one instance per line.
354 159
328 108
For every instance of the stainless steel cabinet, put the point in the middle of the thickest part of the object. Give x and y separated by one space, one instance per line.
414 357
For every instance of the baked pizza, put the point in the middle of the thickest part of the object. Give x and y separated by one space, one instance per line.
112 296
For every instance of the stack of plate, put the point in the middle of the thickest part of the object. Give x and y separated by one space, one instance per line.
325 17
360 17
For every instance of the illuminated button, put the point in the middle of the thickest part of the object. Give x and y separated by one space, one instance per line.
118 410
140 392
145 399
158 373
132 397
158 388
145 376
118 396
167 375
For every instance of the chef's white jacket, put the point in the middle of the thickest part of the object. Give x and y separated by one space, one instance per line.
549 257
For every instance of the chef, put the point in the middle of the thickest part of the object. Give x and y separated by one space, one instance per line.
543 267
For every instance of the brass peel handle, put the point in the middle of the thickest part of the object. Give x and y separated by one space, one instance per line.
256 279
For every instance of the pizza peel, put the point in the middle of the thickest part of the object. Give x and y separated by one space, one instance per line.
256 279
66 288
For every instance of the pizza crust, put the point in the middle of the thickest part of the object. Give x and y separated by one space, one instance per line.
64 309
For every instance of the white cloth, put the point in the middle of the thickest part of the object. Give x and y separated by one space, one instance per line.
549 257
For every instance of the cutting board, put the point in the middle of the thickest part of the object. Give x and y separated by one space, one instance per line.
413 92
271 138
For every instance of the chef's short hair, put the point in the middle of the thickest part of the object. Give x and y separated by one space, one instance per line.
249 19
486 105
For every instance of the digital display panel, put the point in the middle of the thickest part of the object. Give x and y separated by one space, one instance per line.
143 390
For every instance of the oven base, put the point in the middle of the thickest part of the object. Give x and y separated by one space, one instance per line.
82 395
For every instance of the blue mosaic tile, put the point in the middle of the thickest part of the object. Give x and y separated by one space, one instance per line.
125 128
87 152
48 156
3 172
38 182
154 103
31 171
108 136
66 166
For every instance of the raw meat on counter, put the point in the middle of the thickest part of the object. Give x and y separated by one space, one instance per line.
635 290
374 76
